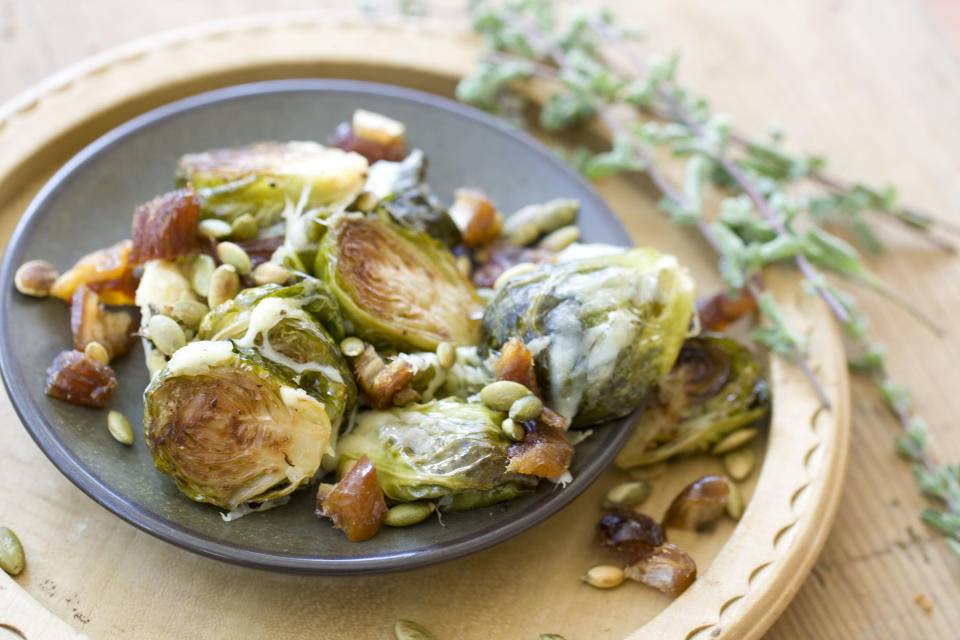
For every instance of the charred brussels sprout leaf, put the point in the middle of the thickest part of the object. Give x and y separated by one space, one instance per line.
446 450
408 201
261 179
714 388
396 288
230 426
280 323
602 329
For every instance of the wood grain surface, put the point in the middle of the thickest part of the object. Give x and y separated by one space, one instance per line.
873 85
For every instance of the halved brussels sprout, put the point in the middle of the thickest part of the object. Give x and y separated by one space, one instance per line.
602 330
447 450
230 426
281 324
396 288
261 178
714 388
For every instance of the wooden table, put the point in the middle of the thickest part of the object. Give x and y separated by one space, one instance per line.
874 85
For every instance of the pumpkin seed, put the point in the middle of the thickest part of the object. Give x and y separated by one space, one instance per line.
626 495
224 285
270 273
245 228
352 347
526 408
343 468
446 355
189 313
408 513
11 552
120 427
410 630
734 504
523 234
501 395
35 278
512 430
512 272
216 227
464 266
201 269
97 352
739 463
234 255
166 334
733 440
604 576
560 239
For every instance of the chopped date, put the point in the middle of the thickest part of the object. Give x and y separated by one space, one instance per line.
700 502
77 379
478 219
165 227
722 310
356 504
344 138
630 532
91 322
107 271
668 568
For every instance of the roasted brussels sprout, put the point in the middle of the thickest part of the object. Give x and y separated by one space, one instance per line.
261 179
281 324
231 426
396 288
714 388
602 329
449 450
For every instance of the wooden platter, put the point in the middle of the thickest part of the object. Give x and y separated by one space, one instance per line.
99 576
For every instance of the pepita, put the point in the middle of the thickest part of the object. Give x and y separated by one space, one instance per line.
514 271
343 468
270 273
523 234
464 266
352 347
97 352
627 495
408 514
35 278
604 576
526 408
234 255
201 271
11 552
245 228
119 427
733 440
501 395
224 285
560 239
446 354
166 334
739 463
734 505
410 630
217 228
189 313
512 430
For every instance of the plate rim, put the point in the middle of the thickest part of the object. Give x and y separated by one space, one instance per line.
45 437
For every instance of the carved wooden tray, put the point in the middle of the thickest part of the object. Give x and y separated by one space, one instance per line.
89 572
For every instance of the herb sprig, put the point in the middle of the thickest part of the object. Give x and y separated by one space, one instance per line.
778 206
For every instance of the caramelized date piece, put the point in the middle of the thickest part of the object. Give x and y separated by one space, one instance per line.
382 382
260 249
343 138
478 219
76 378
165 227
500 257
107 271
630 532
356 504
90 321
700 502
544 451
720 311
668 569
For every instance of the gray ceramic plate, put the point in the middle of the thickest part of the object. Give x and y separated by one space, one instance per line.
89 203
